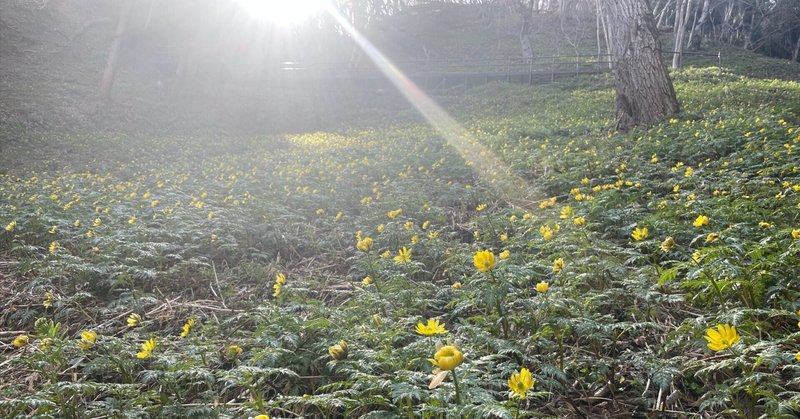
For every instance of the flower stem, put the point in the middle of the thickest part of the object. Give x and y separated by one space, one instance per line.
458 391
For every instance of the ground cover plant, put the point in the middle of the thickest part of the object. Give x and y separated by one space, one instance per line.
371 273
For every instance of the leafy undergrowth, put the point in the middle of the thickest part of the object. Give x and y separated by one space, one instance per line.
287 276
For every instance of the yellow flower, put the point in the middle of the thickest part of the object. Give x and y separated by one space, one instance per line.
548 202
797 356
147 349
403 256
53 230
134 320
447 358
280 278
366 281
503 237
394 213
456 285
320 212
579 221
432 328
520 382
20 341
11 226
697 256
261 417
277 288
232 352
480 207
77 223
426 224
433 235
764 224
722 338
88 337
338 351
414 239
640 233
558 265
364 244
187 327
380 228
338 216
668 244
505 254
566 212
701 220
796 234
48 299
408 225
96 222
53 247
712 237
546 232
542 287
132 220
483 261
689 171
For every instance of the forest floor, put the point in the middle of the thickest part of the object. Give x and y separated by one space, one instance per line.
296 275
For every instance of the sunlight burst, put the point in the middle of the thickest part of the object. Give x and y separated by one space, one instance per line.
284 12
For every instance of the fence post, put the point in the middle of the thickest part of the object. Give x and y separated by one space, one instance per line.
530 71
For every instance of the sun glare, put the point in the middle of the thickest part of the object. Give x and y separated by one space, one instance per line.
284 12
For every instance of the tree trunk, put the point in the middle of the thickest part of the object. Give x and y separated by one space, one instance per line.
525 11
796 51
643 88
699 25
113 55
681 20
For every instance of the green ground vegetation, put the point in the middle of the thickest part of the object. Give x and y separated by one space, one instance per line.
287 275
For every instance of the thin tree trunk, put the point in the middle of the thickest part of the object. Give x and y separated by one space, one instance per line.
682 21
525 12
643 88
113 56
796 52
699 27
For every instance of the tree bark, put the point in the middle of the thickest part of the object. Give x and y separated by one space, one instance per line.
643 88
113 56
